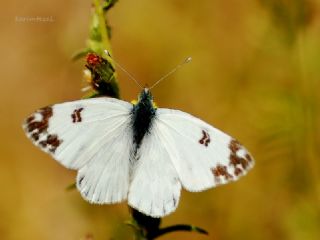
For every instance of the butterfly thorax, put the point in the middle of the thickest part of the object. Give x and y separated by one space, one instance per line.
143 114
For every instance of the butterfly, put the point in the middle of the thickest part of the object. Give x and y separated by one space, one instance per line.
136 151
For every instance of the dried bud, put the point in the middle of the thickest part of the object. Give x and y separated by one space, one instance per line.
94 59
102 76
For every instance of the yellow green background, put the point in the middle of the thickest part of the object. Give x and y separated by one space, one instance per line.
255 75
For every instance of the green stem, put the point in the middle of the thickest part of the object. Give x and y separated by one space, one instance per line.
102 25
175 228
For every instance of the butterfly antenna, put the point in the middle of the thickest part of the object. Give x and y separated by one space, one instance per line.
123 69
187 60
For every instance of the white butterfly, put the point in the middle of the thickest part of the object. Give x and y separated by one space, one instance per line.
136 152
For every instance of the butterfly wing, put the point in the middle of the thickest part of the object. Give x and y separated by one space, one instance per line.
202 155
92 136
105 179
155 186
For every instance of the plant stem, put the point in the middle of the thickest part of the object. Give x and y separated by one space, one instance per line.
102 25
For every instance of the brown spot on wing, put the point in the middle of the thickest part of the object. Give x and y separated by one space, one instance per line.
237 171
41 125
237 161
234 146
76 115
52 142
221 170
38 128
30 119
248 157
35 136
205 140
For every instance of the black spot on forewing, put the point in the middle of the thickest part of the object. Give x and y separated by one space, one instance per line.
205 140
37 127
240 163
30 119
237 171
221 171
52 142
76 115
35 136
41 125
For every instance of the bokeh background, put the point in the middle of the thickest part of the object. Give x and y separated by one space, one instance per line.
255 75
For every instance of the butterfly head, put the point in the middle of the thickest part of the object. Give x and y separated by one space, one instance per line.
145 95
145 98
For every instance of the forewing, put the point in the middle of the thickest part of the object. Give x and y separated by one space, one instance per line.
202 155
73 132
155 186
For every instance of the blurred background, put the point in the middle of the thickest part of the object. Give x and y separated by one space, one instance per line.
255 75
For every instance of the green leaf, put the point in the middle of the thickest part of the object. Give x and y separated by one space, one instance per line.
80 54
108 4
